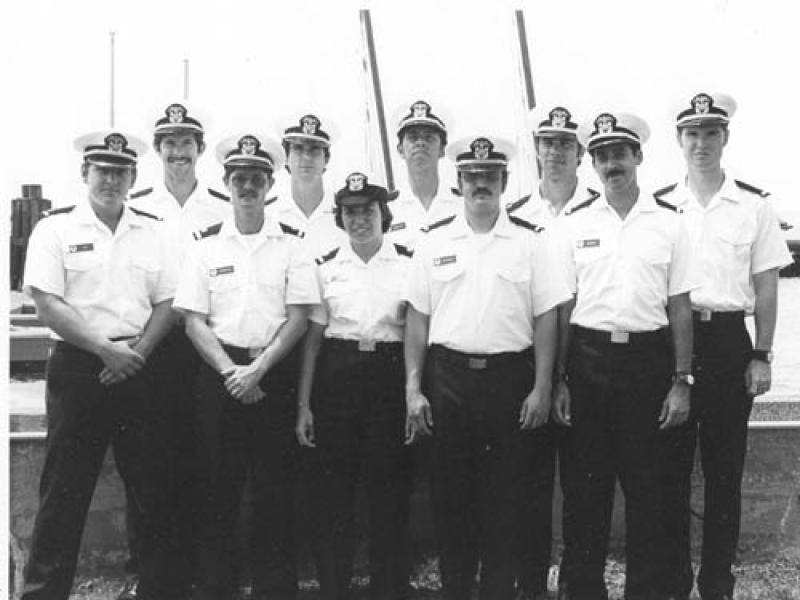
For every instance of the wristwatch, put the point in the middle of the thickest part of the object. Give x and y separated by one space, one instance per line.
762 355
683 377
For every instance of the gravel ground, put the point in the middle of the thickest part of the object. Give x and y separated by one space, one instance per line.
763 573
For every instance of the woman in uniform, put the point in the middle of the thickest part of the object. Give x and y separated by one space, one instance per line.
351 404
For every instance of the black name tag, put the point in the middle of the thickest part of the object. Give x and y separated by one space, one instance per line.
81 248
588 243
440 261
220 271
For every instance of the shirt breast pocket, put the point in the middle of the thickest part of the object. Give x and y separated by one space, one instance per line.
589 251
220 284
518 274
144 274
84 274
343 301
735 243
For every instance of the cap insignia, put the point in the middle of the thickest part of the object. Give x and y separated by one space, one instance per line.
420 109
605 123
310 124
115 142
559 117
481 148
702 103
176 113
356 182
249 145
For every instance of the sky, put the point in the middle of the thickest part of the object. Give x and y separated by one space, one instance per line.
252 63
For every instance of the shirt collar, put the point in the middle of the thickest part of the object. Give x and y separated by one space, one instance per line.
85 215
270 228
728 192
502 227
385 252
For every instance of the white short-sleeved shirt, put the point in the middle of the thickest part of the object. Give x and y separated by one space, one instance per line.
539 211
409 217
204 207
243 283
111 279
318 231
736 236
363 301
624 271
482 292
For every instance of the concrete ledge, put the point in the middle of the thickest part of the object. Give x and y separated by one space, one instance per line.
771 499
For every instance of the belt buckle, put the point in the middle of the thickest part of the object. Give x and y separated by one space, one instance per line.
476 363
366 345
619 337
253 352
705 314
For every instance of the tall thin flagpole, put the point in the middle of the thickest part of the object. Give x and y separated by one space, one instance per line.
112 100
525 60
366 25
527 153
185 78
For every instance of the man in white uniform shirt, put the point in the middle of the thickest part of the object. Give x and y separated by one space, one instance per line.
624 361
739 249
185 206
245 294
102 277
421 141
558 154
306 205
477 287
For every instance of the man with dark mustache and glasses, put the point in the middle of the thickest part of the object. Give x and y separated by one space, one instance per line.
624 363
245 294
102 276
185 206
421 141
740 250
482 293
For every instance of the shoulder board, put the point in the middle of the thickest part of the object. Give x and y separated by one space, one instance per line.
751 188
437 224
140 193
291 230
455 191
270 201
326 257
523 223
142 213
667 205
664 191
593 194
511 207
219 195
207 232
588 202
58 211
403 251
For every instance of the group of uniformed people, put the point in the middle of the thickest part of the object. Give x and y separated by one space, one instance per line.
211 338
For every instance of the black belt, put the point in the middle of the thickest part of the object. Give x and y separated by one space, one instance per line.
241 355
627 338
62 345
710 316
478 361
370 346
